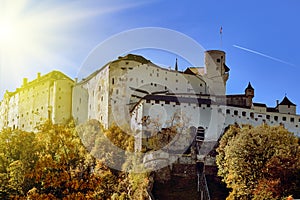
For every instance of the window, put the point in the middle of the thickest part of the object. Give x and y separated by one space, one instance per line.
268 116
200 134
177 103
167 102
113 81
218 60
292 119
147 100
252 115
236 112
244 114
283 118
157 101
227 111
276 118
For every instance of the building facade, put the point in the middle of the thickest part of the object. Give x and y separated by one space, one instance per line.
130 89
48 97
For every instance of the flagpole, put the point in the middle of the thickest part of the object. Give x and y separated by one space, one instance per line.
221 32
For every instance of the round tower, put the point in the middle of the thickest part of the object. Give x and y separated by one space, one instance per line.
215 65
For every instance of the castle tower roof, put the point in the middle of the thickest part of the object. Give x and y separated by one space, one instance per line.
286 101
249 86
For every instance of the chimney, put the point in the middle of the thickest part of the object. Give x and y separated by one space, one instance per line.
38 75
277 103
76 80
25 81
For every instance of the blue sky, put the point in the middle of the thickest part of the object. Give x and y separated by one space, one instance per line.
260 38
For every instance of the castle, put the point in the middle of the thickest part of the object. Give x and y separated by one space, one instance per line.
130 89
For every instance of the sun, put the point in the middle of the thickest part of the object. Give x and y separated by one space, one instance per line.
31 34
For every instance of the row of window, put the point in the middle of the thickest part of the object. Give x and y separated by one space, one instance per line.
268 117
176 103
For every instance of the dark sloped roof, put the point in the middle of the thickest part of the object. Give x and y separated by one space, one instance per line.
286 101
227 69
260 105
249 86
134 57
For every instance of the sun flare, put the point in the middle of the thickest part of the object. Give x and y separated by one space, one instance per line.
30 35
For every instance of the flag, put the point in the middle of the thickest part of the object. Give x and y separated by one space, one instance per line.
221 30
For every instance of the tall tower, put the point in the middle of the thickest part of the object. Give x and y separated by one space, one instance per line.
216 71
249 93
215 65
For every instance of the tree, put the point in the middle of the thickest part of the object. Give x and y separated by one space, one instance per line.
259 163
54 164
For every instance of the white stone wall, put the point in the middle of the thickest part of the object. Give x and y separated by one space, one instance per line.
113 102
214 118
90 98
31 104
287 109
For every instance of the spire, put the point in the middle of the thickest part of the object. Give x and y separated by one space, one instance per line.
250 86
176 65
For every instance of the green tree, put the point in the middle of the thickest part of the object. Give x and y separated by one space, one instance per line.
259 163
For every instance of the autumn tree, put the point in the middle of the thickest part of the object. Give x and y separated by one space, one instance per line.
55 163
259 163
17 161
